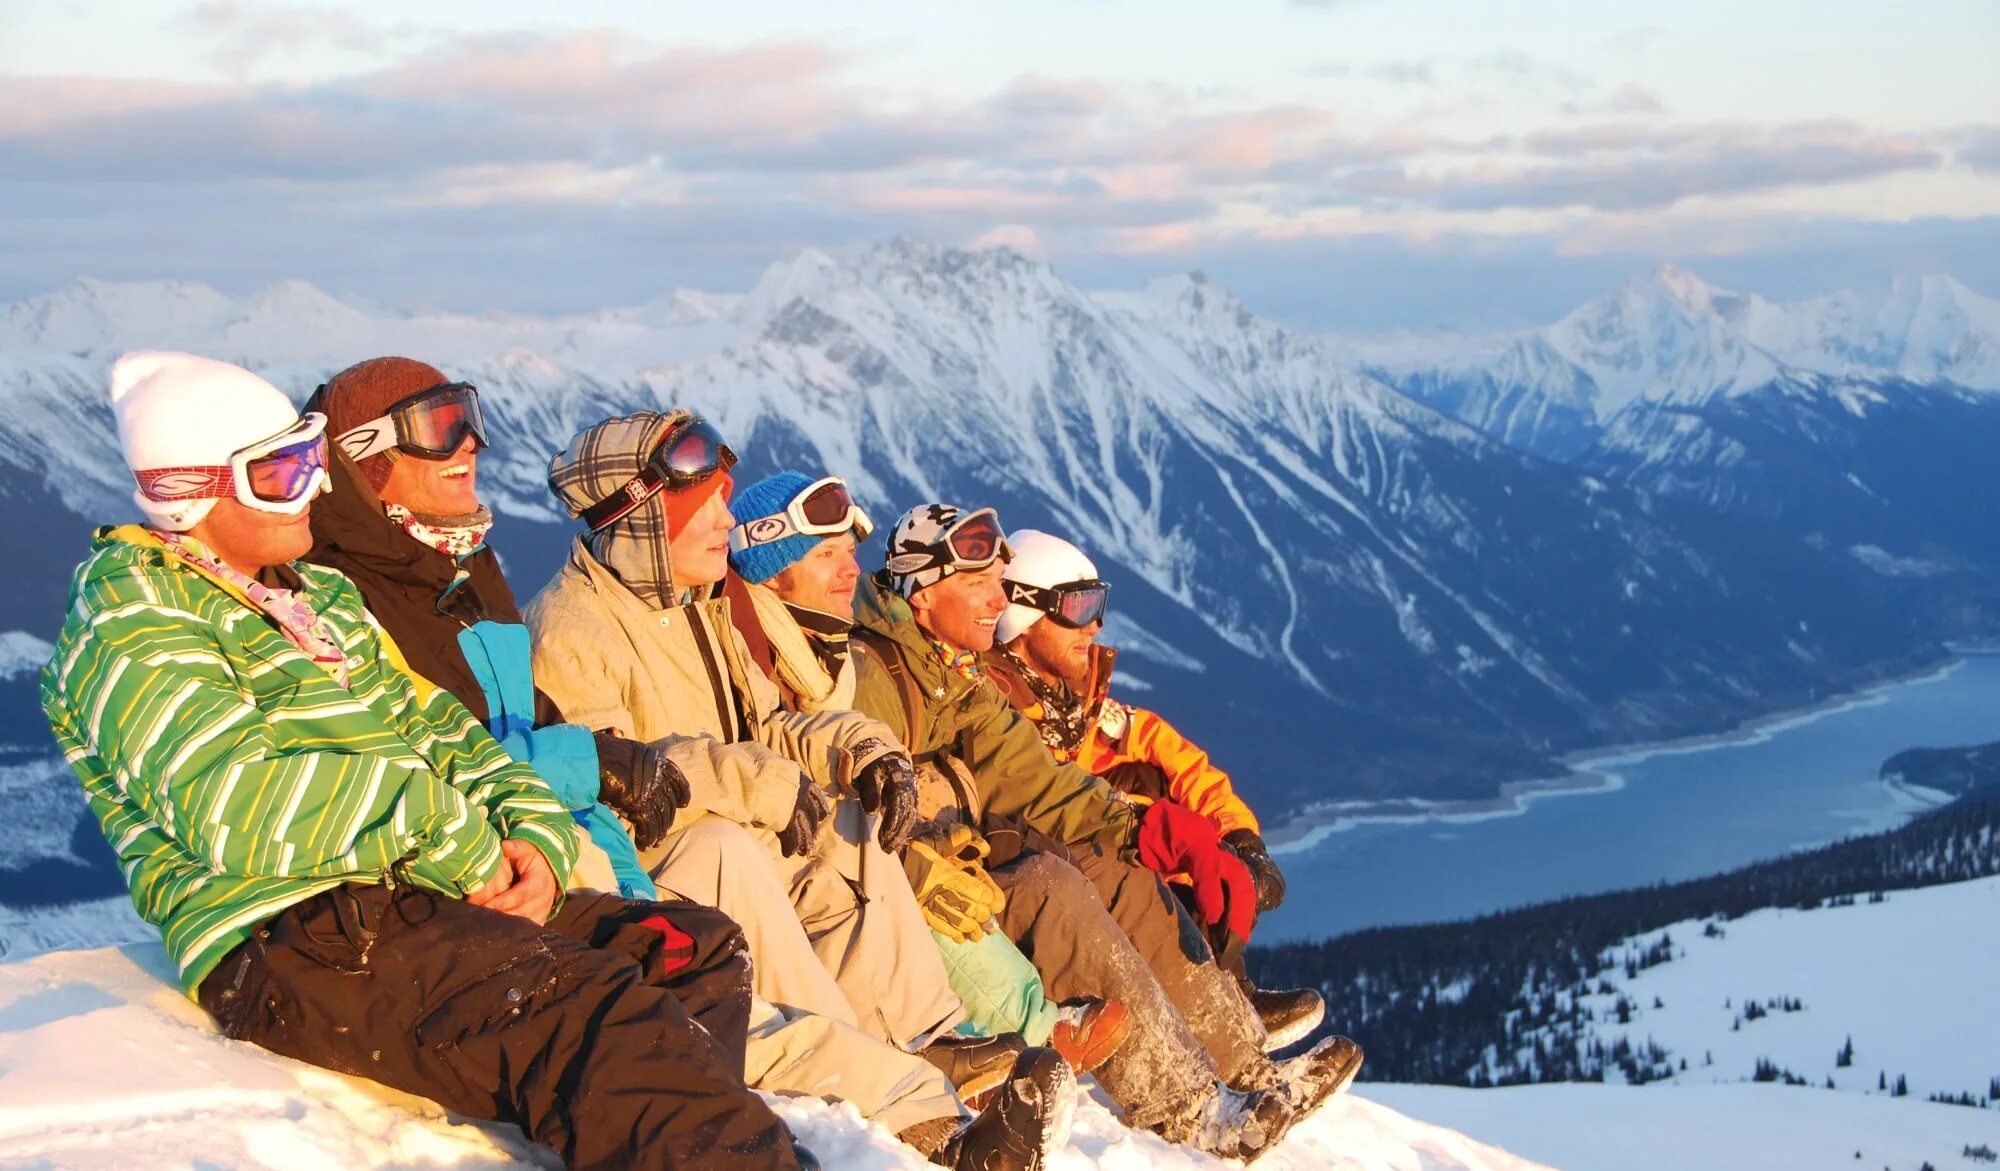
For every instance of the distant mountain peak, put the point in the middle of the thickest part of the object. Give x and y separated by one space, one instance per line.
1687 289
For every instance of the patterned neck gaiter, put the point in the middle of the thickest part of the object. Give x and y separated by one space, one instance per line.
963 663
455 537
296 618
1062 715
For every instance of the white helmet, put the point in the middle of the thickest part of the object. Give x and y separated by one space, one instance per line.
1040 559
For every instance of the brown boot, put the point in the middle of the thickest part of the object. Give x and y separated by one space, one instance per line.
975 1065
1027 1121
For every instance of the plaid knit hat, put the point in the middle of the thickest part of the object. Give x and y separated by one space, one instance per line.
366 389
598 462
768 497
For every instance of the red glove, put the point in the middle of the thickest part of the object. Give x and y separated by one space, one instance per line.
1176 840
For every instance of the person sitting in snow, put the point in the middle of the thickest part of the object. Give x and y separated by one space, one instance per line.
633 636
793 549
1062 846
405 523
345 867
1047 662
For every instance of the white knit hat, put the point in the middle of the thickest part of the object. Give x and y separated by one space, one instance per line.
182 411
1040 559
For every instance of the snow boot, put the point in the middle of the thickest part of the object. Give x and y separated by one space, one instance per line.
1027 1122
1289 1015
1089 1029
975 1065
1236 1124
1312 1077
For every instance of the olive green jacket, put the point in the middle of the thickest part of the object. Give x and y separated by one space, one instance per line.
967 719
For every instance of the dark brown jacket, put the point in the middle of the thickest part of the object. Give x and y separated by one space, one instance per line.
401 578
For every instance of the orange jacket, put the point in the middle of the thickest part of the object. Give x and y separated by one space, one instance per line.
1141 754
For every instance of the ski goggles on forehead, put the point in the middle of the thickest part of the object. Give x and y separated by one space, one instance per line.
280 474
691 452
430 424
1075 604
973 541
822 508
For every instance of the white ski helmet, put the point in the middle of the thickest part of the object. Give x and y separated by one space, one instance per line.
1040 559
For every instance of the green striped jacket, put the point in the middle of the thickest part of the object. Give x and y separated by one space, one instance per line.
234 777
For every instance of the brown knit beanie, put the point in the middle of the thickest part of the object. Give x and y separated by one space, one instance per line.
367 389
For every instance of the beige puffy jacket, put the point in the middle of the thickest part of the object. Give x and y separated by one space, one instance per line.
683 675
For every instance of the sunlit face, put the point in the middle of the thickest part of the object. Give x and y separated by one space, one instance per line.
823 579
250 539
1059 652
436 487
700 551
963 609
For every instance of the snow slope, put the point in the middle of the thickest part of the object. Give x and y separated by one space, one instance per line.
103 1065
1909 980
1707 1128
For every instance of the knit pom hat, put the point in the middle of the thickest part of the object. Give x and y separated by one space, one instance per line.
363 392
183 411
1040 559
768 497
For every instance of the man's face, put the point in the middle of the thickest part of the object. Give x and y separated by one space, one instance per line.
963 608
249 539
1058 651
436 487
700 552
823 579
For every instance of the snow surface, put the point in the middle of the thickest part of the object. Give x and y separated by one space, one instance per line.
1765 1127
104 1066
1910 980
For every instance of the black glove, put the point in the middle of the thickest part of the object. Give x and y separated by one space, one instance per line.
1264 872
889 784
814 804
641 785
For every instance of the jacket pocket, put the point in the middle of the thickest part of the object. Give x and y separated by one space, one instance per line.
338 928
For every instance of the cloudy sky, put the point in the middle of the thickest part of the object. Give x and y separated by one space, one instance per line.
1357 164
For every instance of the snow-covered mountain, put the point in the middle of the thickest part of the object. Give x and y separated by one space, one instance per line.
1378 598
1862 423
1671 340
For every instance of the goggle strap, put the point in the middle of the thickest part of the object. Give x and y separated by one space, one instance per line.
375 436
626 497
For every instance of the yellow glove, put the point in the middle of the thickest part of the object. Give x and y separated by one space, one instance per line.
957 896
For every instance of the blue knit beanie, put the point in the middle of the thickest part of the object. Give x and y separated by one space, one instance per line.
768 497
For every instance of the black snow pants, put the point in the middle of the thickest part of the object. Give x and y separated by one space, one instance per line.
614 1035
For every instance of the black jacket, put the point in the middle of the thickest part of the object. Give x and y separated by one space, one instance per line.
401 579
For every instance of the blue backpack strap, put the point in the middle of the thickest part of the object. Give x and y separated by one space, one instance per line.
563 755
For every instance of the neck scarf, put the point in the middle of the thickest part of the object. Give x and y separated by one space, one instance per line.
963 663
457 537
795 659
1063 716
295 618
828 633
